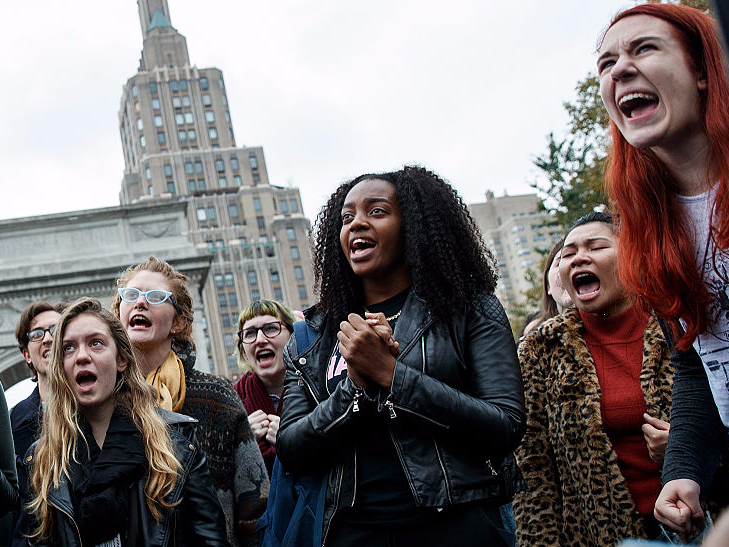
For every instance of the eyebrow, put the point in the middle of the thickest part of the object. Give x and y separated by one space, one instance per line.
589 241
631 45
369 201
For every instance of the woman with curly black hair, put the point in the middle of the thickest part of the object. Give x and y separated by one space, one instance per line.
410 397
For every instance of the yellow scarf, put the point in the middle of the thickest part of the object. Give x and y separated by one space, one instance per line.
169 381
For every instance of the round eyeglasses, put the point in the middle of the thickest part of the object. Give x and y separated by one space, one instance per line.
154 297
269 330
36 335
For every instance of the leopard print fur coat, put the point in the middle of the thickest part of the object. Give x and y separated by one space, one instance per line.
576 494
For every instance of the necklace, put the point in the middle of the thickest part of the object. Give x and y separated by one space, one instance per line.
388 319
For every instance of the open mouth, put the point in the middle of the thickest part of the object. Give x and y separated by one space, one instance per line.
635 105
265 357
46 353
360 245
85 379
586 283
139 321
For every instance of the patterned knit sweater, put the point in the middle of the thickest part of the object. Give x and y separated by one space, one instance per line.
236 466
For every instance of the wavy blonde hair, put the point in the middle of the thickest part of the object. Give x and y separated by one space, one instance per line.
59 439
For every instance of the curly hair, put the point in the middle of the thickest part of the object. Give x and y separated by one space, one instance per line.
449 262
59 439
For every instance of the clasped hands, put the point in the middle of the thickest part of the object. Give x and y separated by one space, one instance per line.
264 426
369 349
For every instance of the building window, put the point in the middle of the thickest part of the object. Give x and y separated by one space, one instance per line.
189 168
204 83
186 100
261 223
226 320
183 85
174 86
222 301
257 206
213 133
294 205
274 276
150 190
153 87
229 280
202 214
295 252
284 206
252 277
233 299
198 166
253 161
211 246
207 101
220 165
277 293
171 186
182 135
234 165
191 135
218 278
298 272
155 103
233 210
255 295
134 90
168 170
209 116
201 184
142 141
290 234
256 178
237 181
302 292
188 118
148 173
161 137
222 182
140 126
176 102
211 213
158 121
179 119
191 184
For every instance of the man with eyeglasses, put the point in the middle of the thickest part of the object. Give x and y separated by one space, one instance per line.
34 333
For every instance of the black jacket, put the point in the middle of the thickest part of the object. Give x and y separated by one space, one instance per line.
456 406
196 520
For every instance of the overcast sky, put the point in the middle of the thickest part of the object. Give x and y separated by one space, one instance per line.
330 89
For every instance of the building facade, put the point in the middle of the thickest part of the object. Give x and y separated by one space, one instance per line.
178 142
517 233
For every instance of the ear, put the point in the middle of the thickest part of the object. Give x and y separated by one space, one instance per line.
702 84
178 325
26 356
121 365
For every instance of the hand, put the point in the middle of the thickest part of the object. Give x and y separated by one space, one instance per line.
655 432
272 428
259 423
368 357
378 321
678 505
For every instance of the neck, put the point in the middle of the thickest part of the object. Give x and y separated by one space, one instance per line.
689 164
274 385
99 418
149 358
376 290
617 308
42 386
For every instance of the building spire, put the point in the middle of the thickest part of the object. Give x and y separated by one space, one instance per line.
162 44
148 12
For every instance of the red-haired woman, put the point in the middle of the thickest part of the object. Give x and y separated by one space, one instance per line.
663 83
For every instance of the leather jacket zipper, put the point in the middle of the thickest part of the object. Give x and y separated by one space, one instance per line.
303 381
78 532
336 506
445 475
392 406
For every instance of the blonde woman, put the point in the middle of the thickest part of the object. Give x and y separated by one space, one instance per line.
109 467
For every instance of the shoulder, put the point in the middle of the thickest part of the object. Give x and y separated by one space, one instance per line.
213 388
25 409
487 306
174 418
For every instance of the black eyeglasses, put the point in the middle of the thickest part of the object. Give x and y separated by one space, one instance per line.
269 330
154 297
36 335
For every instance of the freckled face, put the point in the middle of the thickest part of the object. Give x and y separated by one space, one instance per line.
648 87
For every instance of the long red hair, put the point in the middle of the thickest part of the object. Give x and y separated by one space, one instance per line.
656 254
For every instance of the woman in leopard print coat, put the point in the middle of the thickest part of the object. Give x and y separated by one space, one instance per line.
577 493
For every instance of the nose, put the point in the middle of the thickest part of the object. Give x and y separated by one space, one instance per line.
141 302
580 257
82 354
359 221
47 338
260 336
623 68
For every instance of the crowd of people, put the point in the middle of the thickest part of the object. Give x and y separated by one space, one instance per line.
398 410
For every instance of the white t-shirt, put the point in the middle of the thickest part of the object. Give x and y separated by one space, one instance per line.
713 345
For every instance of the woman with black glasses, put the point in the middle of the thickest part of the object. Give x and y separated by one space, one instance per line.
155 307
264 328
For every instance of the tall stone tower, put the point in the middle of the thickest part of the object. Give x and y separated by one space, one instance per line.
179 144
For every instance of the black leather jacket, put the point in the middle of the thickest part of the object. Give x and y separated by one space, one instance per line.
196 520
456 406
